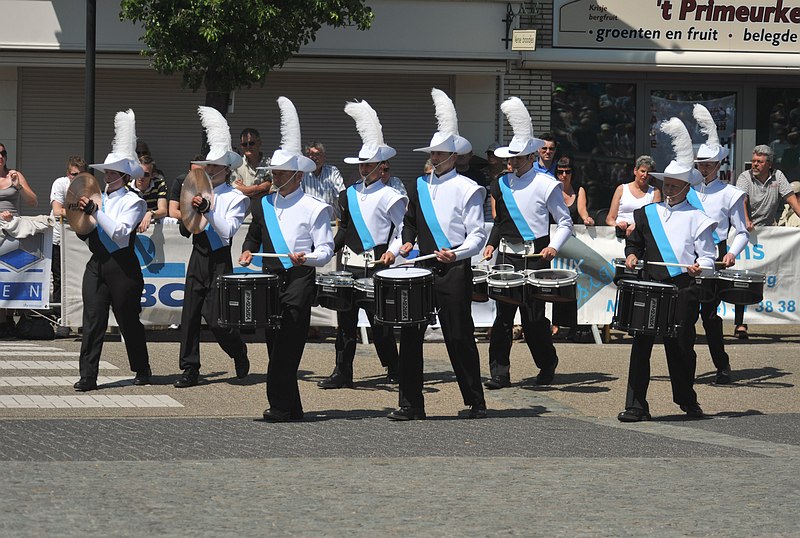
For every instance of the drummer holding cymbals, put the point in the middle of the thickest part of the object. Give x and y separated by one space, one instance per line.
523 201
211 249
295 229
369 230
725 204
445 218
676 242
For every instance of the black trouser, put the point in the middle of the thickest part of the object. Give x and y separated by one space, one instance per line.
346 338
712 324
116 282
535 326
452 292
201 299
285 345
738 314
55 269
681 357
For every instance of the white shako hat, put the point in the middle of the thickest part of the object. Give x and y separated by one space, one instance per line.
290 155
123 157
682 166
523 142
446 138
219 139
373 148
710 151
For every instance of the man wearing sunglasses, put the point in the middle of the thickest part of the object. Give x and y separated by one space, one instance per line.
252 178
546 163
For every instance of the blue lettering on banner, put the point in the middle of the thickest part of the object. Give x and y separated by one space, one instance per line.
151 295
21 291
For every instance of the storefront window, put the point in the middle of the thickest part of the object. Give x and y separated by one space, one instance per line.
665 104
778 124
596 124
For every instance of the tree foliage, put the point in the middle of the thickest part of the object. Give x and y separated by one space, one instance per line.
227 44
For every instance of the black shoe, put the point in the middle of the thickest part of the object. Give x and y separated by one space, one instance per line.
85 385
497 382
477 411
546 376
741 334
142 378
633 415
723 377
407 413
692 411
276 415
242 367
190 378
335 381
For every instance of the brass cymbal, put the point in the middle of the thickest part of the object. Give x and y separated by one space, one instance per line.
196 182
84 184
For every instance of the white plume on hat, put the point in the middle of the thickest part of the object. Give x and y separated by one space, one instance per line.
123 157
218 135
446 138
290 155
711 150
373 149
682 166
523 142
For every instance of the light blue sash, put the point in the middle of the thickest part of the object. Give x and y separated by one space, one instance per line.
513 210
694 201
429 214
358 219
109 243
274 229
660 235
213 237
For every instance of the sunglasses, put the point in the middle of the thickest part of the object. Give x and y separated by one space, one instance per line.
73 174
3 153
147 174
548 149
249 144
564 171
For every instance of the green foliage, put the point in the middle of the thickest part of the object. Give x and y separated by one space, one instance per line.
228 44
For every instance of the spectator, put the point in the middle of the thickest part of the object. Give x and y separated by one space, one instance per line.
252 178
765 188
392 181
546 163
631 196
325 182
58 195
152 188
142 149
789 218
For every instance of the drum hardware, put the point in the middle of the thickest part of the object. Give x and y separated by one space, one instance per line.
480 285
197 183
248 301
335 290
507 287
84 184
552 285
740 287
404 296
646 308
621 270
364 293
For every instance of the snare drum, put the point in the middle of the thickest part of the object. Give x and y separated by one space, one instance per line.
646 308
335 290
740 287
404 296
248 300
621 272
480 286
365 293
507 287
553 285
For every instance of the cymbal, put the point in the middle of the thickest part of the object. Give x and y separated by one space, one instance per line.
84 184
196 182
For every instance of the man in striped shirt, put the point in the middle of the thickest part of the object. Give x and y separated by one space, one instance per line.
325 182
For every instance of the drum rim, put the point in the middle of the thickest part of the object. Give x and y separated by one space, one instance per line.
506 283
492 268
363 286
647 284
741 275
345 282
422 272
553 282
249 276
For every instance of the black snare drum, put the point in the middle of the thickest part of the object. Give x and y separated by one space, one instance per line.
646 308
553 285
248 301
480 286
621 272
707 288
740 287
365 293
507 287
404 296
335 290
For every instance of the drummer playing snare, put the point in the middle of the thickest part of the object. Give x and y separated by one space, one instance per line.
677 241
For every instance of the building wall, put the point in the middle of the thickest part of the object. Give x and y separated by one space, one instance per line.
8 112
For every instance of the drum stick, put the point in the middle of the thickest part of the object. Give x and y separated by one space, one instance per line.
428 257
534 255
667 264
310 256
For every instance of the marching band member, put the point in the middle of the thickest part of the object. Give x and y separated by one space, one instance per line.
725 204
211 255
297 226
445 217
369 230
675 232
523 200
113 275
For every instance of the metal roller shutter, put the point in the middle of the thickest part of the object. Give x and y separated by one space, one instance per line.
52 100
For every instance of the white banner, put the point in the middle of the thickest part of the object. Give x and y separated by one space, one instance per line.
25 271
164 254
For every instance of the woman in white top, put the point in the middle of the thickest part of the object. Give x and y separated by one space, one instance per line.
631 196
